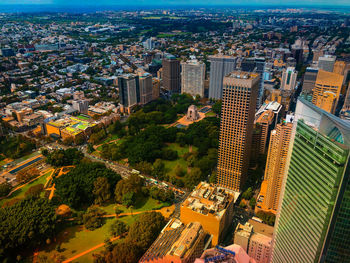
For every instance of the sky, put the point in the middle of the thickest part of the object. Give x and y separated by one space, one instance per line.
177 2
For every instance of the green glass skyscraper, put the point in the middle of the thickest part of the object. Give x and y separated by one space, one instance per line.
313 221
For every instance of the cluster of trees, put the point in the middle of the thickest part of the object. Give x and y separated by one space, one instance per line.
97 136
27 174
159 112
24 225
16 147
63 157
147 145
128 191
267 218
85 185
141 235
5 189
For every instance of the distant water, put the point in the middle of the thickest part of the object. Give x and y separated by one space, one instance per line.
94 8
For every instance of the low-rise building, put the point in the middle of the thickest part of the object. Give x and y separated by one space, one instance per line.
178 243
212 207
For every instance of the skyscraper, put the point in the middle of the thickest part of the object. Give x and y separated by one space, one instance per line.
146 86
193 77
268 199
129 91
220 66
171 74
327 82
289 79
313 219
256 65
237 118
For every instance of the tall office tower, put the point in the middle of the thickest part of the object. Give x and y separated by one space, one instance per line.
129 91
270 190
220 66
297 52
146 86
237 119
326 62
309 79
193 77
171 74
327 82
289 79
256 65
313 218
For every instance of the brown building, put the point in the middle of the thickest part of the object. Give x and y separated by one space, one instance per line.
171 74
146 88
212 207
339 67
155 88
268 198
265 120
237 118
327 82
178 243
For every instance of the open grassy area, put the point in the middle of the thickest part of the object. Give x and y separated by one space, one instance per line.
141 205
20 192
170 165
76 239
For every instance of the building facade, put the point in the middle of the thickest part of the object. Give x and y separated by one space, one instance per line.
237 119
313 219
129 91
309 79
326 62
171 74
269 195
220 66
146 88
289 79
327 82
192 78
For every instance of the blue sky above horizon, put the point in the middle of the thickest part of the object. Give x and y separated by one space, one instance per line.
177 2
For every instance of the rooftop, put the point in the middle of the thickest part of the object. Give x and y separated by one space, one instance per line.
209 199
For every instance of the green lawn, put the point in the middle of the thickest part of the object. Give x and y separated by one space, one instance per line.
141 205
170 165
210 114
20 192
76 239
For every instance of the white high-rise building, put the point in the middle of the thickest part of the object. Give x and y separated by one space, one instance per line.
289 79
193 77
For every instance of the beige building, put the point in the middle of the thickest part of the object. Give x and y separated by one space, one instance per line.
270 190
212 207
289 79
258 236
193 77
237 119
327 82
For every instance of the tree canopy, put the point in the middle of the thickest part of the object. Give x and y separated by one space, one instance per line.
25 224
76 187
